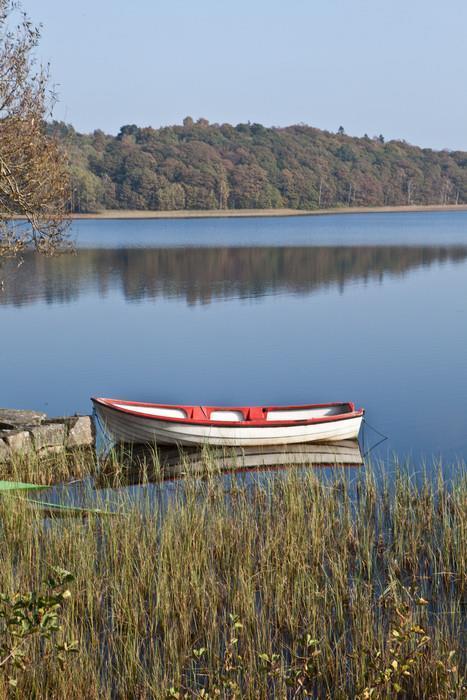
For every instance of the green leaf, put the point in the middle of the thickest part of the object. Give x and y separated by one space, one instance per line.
309 641
62 575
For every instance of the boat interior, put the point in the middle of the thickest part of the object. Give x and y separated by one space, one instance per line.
237 415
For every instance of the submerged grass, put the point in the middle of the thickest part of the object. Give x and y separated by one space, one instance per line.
298 586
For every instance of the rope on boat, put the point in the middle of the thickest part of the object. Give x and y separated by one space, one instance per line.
379 442
104 441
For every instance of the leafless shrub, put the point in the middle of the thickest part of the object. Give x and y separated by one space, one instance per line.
34 182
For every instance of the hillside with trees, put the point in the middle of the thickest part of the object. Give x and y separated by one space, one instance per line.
218 166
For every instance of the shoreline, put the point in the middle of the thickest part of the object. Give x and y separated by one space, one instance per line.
253 213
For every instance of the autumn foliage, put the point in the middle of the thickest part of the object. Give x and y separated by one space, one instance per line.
34 181
199 165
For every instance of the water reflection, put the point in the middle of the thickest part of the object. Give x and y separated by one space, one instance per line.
201 275
144 477
142 463
139 313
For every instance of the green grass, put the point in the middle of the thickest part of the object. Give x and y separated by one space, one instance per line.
299 586
50 469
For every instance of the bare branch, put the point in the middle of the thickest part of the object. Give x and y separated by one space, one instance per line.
34 180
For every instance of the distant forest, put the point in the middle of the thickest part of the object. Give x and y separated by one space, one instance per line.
218 166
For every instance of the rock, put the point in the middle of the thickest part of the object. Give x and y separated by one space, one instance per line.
49 435
24 431
17 418
80 432
52 450
5 453
19 441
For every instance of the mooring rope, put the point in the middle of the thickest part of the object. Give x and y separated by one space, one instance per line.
370 449
104 441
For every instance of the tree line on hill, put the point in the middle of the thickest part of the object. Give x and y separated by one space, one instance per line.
199 165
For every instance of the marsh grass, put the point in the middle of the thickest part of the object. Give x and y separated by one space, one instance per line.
52 468
298 586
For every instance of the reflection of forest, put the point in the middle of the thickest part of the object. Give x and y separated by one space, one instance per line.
203 274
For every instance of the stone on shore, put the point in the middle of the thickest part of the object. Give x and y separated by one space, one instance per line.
49 435
52 450
30 431
80 432
18 418
19 442
5 453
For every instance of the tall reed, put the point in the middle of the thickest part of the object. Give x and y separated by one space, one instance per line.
297 586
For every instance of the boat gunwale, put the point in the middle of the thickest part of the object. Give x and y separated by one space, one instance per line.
255 423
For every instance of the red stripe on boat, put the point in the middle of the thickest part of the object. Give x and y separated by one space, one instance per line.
253 416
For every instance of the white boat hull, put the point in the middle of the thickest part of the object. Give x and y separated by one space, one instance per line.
124 427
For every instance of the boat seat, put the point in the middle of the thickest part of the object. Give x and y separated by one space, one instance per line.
199 413
256 413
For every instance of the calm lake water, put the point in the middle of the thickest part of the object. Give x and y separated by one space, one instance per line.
370 308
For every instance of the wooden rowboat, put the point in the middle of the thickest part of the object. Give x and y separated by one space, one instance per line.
239 426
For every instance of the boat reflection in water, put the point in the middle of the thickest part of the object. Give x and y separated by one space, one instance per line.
136 464
151 479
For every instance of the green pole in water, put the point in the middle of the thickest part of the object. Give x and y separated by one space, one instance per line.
6 486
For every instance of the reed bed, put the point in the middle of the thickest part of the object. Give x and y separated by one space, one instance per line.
304 585
52 468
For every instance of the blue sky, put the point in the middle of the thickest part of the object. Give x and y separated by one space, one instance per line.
396 67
